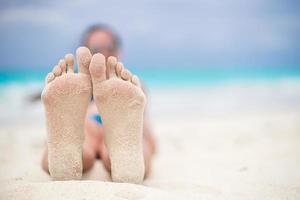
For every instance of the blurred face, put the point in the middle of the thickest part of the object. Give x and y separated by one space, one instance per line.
101 41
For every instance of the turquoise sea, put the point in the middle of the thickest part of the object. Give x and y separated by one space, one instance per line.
174 76
20 89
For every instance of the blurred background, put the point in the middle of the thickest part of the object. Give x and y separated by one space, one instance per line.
169 44
233 38
223 79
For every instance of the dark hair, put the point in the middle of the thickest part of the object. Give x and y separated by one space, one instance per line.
102 27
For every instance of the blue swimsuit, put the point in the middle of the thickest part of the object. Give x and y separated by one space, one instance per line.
97 118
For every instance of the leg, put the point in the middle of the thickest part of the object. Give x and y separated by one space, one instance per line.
95 128
90 145
120 101
148 146
66 97
88 157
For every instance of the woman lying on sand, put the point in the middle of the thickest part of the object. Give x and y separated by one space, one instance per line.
76 134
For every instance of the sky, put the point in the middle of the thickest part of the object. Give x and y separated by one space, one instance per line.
156 33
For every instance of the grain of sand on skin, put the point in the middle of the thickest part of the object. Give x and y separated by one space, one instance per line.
66 97
121 102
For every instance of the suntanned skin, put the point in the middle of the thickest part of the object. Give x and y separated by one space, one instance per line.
94 133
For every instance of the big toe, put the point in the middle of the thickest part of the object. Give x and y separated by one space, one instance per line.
83 59
98 68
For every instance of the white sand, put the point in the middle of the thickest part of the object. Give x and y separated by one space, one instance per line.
229 142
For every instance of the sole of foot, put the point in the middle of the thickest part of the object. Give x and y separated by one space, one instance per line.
66 97
120 101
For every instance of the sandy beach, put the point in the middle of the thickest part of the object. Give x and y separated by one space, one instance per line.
235 141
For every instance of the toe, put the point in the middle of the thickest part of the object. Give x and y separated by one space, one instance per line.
62 65
126 74
98 68
69 58
50 77
57 70
119 68
136 81
111 66
84 57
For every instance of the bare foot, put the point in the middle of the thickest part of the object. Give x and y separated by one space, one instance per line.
66 97
120 101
